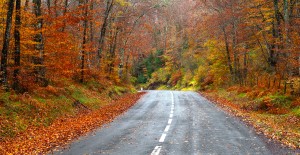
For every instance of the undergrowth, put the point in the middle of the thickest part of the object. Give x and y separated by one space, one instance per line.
43 105
275 114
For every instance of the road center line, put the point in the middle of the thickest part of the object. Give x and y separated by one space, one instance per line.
162 138
156 150
167 128
170 121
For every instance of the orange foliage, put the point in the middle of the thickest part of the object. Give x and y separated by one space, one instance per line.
175 77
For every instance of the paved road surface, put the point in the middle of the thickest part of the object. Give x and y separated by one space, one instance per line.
175 123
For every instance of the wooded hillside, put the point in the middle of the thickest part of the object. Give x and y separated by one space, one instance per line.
57 52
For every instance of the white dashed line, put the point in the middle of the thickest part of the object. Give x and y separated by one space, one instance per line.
162 138
167 128
170 121
156 150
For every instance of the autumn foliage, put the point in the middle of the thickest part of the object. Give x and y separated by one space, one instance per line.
166 44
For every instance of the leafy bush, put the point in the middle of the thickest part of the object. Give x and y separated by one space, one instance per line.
281 100
296 111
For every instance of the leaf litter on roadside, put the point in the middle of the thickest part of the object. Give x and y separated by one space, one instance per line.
271 127
43 139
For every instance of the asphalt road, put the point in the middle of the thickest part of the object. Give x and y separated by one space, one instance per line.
175 123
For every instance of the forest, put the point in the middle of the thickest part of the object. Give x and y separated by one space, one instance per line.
58 56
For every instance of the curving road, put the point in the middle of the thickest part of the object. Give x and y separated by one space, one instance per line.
174 122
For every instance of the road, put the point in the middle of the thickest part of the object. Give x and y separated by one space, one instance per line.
175 123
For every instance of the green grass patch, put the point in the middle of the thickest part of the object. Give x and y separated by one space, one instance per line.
281 100
119 90
242 95
86 96
163 87
296 111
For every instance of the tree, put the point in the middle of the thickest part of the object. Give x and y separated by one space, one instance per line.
17 59
109 6
3 67
84 40
38 60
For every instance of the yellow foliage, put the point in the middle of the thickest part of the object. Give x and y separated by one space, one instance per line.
123 3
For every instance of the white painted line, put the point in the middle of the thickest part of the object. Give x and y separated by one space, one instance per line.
170 121
156 150
162 138
167 128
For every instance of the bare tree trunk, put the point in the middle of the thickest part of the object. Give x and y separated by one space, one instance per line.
235 54
26 5
288 66
64 13
85 23
40 69
16 84
55 8
227 51
112 50
90 60
91 22
49 6
109 5
245 70
3 67
273 57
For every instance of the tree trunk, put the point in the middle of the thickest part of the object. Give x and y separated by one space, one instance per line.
273 57
26 5
90 60
85 23
64 14
235 54
245 70
16 84
91 22
288 66
227 51
109 5
3 67
55 8
112 50
38 61
49 6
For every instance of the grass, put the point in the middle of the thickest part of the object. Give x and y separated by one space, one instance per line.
281 100
296 111
242 95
